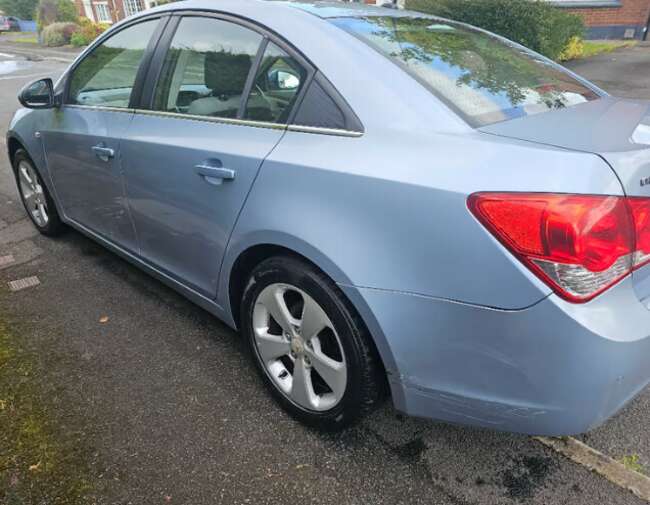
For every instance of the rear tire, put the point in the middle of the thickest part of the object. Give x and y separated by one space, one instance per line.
318 362
35 196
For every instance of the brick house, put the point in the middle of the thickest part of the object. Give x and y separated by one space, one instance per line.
111 11
611 19
605 19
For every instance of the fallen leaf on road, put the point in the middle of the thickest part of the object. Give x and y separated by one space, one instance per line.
103 319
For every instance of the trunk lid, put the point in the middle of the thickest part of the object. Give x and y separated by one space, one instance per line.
616 129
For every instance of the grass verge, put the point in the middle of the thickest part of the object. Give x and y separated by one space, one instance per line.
43 460
27 40
594 47
631 462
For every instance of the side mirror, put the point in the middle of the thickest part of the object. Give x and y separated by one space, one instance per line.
281 80
38 95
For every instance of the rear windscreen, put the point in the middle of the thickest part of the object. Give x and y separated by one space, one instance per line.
483 78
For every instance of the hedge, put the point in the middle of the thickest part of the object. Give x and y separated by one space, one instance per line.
88 31
59 34
533 23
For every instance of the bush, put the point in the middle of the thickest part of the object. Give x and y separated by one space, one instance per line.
59 34
574 49
533 23
88 31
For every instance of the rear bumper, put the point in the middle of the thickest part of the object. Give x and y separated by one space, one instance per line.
552 369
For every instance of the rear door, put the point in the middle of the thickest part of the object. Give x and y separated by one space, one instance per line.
197 141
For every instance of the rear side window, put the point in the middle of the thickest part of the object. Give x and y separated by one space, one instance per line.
278 81
319 110
323 107
106 76
481 77
206 68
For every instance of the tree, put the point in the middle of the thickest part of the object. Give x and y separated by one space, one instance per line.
23 9
55 11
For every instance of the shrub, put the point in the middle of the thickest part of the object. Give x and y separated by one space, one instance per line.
59 34
88 31
574 49
535 24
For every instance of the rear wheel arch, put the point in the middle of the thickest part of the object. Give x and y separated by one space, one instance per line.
253 256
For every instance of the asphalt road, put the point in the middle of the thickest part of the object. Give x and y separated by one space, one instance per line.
165 405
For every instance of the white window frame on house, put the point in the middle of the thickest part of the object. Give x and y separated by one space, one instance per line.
586 3
88 10
103 12
132 7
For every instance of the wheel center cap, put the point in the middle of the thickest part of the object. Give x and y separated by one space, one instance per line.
297 345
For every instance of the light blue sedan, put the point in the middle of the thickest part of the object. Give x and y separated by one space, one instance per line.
380 201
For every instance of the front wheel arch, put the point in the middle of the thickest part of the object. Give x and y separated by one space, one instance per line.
13 146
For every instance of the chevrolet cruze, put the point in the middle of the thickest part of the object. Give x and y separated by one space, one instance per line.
379 200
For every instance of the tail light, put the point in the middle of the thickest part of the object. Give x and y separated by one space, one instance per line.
580 245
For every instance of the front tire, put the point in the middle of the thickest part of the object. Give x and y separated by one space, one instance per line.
35 197
309 345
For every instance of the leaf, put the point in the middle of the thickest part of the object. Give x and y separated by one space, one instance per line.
103 319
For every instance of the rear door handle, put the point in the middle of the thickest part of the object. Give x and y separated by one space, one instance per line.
214 175
102 152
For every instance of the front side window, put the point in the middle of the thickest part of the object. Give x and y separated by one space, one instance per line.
483 78
106 76
277 83
206 68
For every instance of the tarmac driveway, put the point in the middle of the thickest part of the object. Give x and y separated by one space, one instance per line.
625 72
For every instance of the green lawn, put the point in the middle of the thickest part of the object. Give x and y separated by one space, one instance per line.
27 40
594 47
25 37
43 454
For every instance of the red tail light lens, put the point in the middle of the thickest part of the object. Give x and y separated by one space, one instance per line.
580 245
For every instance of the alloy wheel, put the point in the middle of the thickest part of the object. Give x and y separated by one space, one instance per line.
31 189
299 347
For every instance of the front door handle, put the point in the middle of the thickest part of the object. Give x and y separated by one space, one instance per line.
102 152
214 175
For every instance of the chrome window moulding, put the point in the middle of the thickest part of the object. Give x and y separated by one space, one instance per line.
247 122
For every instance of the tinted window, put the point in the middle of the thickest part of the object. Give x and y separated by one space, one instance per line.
318 109
106 76
206 68
485 79
277 83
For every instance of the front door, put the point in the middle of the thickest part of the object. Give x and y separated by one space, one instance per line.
82 141
190 161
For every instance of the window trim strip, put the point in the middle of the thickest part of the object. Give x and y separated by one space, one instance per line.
222 120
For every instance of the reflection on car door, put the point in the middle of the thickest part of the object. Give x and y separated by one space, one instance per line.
190 161
83 139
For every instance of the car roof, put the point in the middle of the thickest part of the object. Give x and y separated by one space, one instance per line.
321 9
326 9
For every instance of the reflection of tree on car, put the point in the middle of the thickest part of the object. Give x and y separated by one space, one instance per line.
466 63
